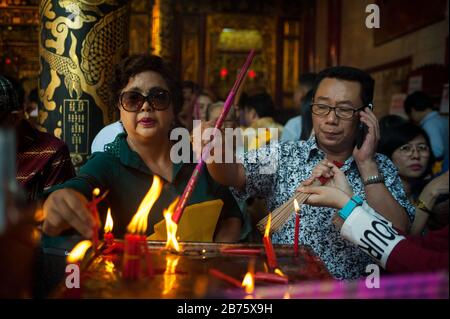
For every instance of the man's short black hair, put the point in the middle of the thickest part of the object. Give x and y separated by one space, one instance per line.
348 73
419 101
307 80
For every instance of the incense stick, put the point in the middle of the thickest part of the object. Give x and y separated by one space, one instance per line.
198 168
282 213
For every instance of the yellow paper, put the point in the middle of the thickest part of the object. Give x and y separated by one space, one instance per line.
197 223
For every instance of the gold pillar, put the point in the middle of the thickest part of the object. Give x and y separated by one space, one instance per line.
79 41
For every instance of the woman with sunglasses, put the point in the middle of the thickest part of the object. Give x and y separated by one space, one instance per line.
149 99
409 148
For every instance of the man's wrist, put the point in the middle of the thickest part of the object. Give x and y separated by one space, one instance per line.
368 168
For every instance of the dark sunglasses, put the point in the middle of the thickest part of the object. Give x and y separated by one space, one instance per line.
158 99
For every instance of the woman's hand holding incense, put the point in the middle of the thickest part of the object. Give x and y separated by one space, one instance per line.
325 196
66 208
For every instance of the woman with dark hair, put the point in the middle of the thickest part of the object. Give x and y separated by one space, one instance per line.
149 99
409 148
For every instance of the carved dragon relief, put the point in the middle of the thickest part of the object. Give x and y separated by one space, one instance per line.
103 45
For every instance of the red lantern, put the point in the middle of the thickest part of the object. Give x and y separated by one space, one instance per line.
223 72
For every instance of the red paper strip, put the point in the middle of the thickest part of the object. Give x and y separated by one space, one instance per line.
241 251
268 277
220 275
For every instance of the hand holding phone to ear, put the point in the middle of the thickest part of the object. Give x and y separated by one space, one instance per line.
369 142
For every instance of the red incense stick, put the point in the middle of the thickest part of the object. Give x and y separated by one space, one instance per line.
198 168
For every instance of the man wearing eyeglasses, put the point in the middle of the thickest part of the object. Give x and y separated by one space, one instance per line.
274 172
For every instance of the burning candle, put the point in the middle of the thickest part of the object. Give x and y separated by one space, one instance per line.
135 239
75 257
248 283
297 227
171 227
77 253
270 253
108 236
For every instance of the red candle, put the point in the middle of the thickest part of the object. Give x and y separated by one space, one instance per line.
109 239
270 253
148 257
297 227
131 258
271 258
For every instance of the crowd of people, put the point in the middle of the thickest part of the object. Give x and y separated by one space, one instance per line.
398 175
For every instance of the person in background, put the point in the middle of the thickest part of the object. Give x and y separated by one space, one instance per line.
106 135
409 148
420 109
201 105
293 128
258 114
191 91
212 114
32 109
390 248
42 159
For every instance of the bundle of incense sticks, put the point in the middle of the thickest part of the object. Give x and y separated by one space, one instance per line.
282 213
198 168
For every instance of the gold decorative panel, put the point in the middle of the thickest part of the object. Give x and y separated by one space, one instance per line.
262 32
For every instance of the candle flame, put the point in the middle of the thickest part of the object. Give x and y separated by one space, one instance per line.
139 222
170 273
109 222
296 206
96 191
279 272
269 221
78 251
248 283
171 227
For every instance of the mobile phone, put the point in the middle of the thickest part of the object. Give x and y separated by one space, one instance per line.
362 131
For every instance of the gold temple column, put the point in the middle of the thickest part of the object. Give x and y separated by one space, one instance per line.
79 41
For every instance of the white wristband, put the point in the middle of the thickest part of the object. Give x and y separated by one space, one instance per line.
371 232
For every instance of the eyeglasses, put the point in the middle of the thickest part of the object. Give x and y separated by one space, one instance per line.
342 112
407 149
158 99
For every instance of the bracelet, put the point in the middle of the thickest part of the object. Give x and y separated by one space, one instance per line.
375 179
421 205
350 206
